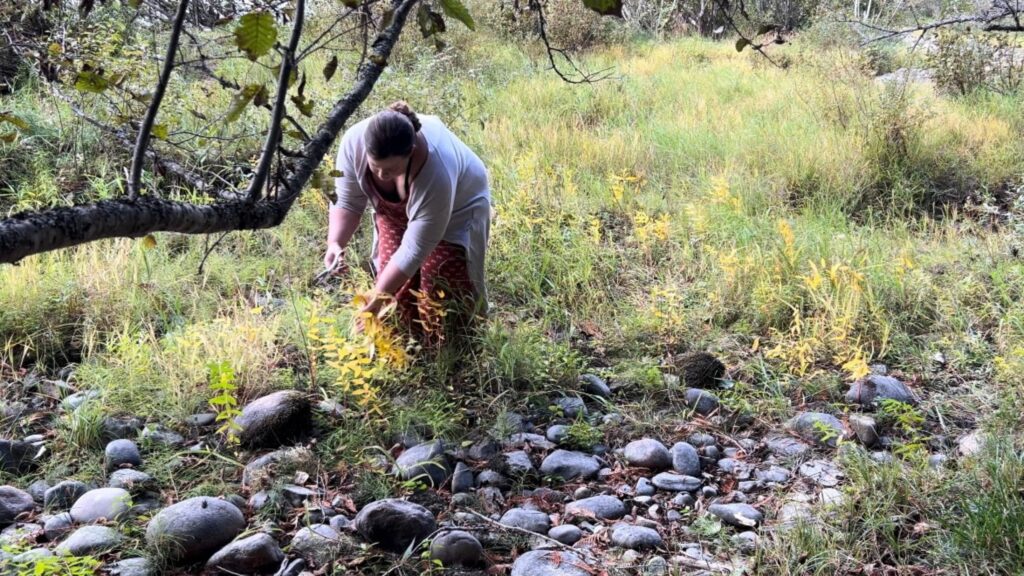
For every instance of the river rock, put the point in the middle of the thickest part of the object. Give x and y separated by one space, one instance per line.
320 544
566 534
90 541
647 453
825 429
865 428
673 482
532 520
193 529
700 401
58 526
275 420
824 473
869 391
133 481
260 471
121 454
558 433
685 459
120 427
103 503
462 478
602 507
457 548
395 524
426 463
635 537
741 515
571 407
787 447
570 465
132 567
63 494
551 563
595 386
518 464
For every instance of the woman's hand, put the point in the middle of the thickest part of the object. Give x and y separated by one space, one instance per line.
334 259
373 303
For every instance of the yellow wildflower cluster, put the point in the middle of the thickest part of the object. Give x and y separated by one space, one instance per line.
826 326
621 182
721 194
358 360
665 304
649 231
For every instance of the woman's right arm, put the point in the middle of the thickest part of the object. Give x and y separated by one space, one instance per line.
343 217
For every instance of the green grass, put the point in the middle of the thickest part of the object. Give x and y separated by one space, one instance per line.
799 223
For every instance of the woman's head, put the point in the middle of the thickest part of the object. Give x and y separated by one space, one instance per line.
390 138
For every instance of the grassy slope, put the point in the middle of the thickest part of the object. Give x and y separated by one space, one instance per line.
703 200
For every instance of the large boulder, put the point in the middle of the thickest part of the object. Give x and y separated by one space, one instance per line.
257 554
13 503
275 420
192 530
395 524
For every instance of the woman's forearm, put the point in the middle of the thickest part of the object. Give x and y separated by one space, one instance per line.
341 225
390 279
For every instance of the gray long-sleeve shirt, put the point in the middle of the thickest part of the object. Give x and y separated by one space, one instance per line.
449 200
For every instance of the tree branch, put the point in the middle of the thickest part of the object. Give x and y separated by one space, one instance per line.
142 143
274 132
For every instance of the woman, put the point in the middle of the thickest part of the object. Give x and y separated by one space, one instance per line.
431 204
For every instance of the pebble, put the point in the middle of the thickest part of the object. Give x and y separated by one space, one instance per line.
700 440
787 447
36 489
824 473
865 428
971 444
320 544
685 459
775 474
528 439
595 385
582 492
700 401
571 406
824 429
869 391
684 500
133 481
937 461
644 487
656 566
557 433
746 542
492 478
57 527
518 464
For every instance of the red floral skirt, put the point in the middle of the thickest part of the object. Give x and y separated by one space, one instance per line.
440 297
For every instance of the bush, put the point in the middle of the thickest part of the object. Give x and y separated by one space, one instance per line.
966 62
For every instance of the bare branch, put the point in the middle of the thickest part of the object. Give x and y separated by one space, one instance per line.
142 142
274 132
576 75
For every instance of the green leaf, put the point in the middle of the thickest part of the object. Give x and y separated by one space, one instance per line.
135 3
742 43
91 81
241 100
304 105
330 68
456 9
11 118
159 131
605 7
256 34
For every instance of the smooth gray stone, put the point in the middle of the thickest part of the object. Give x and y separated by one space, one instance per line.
602 507
872 390
644 487
824 429
64 494
457 548
551 563
57 527
532 520
492 478
774 474
787 447
320 544
570 465
261 470
18 532
275 420
700 401
746 542
133 481
462 478
395 524
684 500
824 473
523 439
38 490
13 503
484 450
132 567
103 503
557 433
341 523
32 556
648 453
121 427
426 463
193 529
635 537
90 541
201 420
673 482
701 440
865 428
595 385
685 459
518 464
571 406
741 515
566 534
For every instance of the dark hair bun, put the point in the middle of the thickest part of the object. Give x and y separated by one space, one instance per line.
403 108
